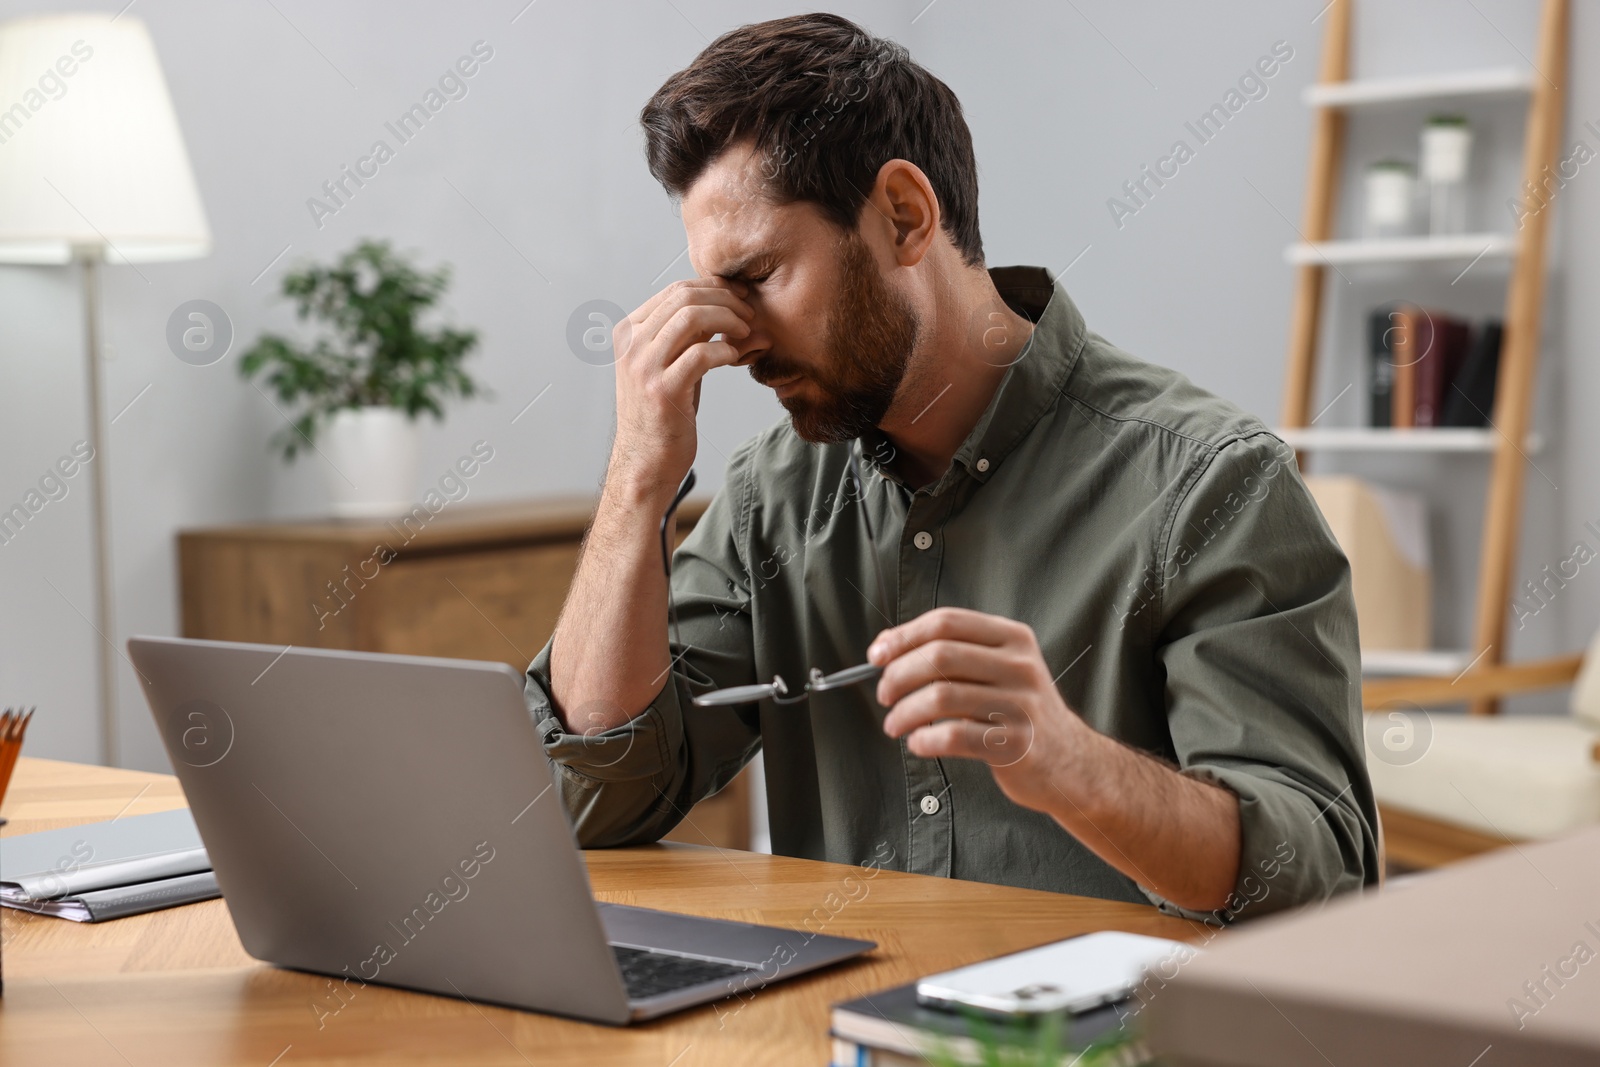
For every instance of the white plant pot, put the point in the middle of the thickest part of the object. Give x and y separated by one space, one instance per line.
372 455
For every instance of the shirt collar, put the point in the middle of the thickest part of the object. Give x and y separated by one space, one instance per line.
1030 385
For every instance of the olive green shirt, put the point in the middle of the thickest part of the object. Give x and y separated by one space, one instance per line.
1181 582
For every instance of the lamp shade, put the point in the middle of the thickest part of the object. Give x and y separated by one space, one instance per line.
90 151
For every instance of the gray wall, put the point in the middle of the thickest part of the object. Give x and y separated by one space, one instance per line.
534 188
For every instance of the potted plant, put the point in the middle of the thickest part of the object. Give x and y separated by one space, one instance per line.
362 385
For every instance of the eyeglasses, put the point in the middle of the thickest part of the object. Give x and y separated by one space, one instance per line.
777 690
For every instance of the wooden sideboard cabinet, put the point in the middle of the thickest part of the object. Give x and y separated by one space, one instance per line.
479 582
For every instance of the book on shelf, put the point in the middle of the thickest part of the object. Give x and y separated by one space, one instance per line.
1380 368
1428 369
1470 397
1437 366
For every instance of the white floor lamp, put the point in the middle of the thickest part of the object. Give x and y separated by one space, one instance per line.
93 169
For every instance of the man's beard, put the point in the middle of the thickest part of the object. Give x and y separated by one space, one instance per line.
869 337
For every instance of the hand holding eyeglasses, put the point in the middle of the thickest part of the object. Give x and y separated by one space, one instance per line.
958 683
965 684
778 691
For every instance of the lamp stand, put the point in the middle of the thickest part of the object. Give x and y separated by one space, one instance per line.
88 257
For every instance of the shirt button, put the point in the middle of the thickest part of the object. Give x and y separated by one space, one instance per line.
983 465
930 805
923 539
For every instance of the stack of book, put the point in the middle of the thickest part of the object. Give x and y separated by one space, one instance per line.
107 870
891 1029
1430 369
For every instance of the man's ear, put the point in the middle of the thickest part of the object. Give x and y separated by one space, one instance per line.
903 207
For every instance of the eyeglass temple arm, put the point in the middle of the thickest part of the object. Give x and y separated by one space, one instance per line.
666 520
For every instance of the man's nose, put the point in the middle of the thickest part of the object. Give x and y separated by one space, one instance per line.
751 346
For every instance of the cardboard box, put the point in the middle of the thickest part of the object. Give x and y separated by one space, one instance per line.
1385 535
1486 962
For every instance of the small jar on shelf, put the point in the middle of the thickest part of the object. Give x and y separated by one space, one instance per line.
1446 151
1391 191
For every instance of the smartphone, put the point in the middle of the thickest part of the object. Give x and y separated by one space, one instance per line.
1069 976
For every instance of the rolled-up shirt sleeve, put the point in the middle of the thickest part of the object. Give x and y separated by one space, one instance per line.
633 783
1259 647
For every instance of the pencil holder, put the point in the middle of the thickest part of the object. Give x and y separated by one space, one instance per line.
13 724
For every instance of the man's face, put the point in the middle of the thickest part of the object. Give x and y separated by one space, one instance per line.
831 337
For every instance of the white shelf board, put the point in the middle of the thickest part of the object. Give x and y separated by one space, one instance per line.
1434 664
1466 246
1373 439
1498 81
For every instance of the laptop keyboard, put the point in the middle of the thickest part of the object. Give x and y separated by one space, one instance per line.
650 974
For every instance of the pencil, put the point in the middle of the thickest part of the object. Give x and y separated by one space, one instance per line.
13 724
6 721
8 748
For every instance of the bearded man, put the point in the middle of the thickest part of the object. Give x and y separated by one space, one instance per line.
997 600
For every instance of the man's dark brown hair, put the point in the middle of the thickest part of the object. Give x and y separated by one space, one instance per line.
827 104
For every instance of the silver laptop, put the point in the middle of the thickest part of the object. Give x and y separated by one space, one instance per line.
393 819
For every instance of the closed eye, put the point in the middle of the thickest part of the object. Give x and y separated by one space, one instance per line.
751 273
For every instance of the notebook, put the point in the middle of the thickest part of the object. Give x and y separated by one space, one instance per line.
106 870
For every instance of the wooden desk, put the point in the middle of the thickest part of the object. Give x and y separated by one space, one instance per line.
475 581
175 987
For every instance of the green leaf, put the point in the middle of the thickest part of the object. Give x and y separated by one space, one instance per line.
372 349
1021 1043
